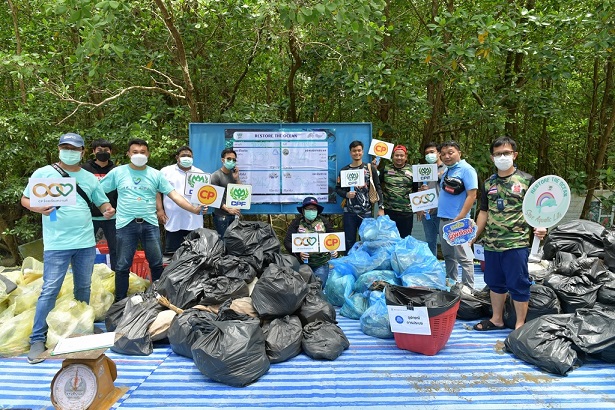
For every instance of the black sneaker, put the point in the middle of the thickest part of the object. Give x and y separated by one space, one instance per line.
36 350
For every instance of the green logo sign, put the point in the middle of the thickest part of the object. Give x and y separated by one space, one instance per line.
352 176
239 194
195 178
424 171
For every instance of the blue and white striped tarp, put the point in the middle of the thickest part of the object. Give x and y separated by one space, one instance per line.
471 372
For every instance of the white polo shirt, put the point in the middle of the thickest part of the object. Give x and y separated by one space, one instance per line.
179 219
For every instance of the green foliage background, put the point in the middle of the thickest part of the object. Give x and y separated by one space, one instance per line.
539 71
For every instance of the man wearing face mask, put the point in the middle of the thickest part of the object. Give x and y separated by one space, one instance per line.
68 236
177 222
137 187
458 189
227 174
310 220
507 235
100 166
430 220
397 183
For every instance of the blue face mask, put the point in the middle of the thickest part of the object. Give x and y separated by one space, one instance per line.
229 164
70 157
310 214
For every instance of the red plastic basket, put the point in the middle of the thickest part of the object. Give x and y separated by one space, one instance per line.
140 265
102 247
441 329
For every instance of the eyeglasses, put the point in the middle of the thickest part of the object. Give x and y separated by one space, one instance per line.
503 154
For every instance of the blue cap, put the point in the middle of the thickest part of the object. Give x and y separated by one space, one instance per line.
310 200
72 139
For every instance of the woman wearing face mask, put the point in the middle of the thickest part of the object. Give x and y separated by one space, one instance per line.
310 220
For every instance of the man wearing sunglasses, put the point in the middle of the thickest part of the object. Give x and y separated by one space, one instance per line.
227 174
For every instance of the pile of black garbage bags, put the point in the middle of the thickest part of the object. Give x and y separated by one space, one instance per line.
241 305
571 315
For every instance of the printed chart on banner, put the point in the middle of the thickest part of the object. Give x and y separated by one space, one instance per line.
283 166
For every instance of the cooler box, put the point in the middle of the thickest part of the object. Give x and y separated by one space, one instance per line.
442 309
140 265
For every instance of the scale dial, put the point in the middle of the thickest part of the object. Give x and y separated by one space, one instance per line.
74 387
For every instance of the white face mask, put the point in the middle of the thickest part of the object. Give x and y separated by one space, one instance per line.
431 158
503 162
138 160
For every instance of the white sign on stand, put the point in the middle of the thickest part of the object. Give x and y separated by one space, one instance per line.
409 320
381 149
305 242
425 172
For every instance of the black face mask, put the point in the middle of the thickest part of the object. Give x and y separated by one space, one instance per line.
103 156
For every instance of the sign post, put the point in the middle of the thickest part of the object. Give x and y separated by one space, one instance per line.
545 204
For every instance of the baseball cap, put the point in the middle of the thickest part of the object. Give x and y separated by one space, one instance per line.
310 200
400 147
72 139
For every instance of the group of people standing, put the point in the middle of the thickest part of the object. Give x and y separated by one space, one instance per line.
126 202
500 222
129 201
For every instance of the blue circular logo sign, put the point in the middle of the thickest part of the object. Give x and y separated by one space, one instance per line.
399 319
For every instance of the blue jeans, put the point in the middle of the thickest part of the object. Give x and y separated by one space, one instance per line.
128 237
222 222
54 270
173 240
322 273
351 226
108 227
431 227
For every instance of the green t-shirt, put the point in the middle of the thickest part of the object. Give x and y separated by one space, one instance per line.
136 193
506 227
73 228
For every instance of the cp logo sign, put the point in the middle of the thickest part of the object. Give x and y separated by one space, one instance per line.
332 242
381 149
207 195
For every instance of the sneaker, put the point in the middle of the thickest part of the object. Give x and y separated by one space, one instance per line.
36 350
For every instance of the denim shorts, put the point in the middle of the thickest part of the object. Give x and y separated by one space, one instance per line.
507 271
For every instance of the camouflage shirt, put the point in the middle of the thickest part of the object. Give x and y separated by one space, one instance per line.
300 225
506 228
396 186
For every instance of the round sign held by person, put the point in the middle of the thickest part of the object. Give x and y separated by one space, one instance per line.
460 232
545 204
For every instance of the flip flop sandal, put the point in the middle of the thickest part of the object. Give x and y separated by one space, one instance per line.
487 325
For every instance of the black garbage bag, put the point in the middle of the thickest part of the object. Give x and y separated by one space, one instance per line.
253 240
114 314
140 311
307 274
599 273
218 290
187 327
574 292
233 353
608 242
283 338
324 340
593 330
437 301
606 293
474 305
226 312
279 292
316 307
545 342
181 281
204 242
577 237
570 265
236 267
543 301
282 260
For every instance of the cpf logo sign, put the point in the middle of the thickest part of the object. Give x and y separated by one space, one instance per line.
239 196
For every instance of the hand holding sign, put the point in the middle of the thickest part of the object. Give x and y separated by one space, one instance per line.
460 232
545 204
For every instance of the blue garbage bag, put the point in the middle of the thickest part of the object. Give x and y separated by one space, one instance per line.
339 277
375 320
415 265
380 228
355 304
365 280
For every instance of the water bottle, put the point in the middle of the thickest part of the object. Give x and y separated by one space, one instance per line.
305 260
